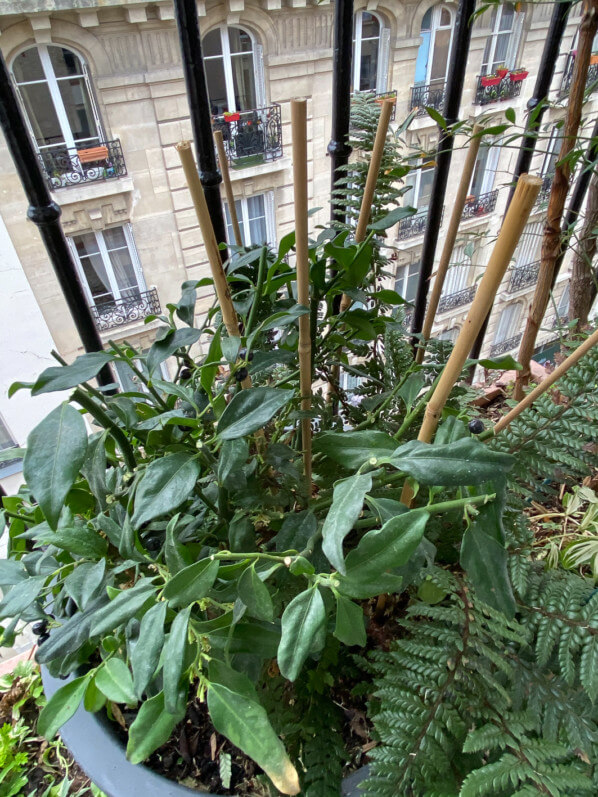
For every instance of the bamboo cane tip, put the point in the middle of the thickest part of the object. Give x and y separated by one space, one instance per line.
529 179
182 145
299 101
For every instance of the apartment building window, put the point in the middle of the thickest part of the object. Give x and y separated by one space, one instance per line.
256 220
458 273
419 184
449 334
406 280
528 248
7 466
370 52
508 324
434 51
484 172
553 148
234 70
503 43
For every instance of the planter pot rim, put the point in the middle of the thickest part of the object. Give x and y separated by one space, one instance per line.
94 746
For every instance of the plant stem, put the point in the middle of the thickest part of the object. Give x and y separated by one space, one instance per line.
139 375
434 509
261 273
104 420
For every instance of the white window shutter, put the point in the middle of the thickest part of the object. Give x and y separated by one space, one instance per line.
270 218
260 82
490 170
513 49
529 244
94 105
77 262
128 231
383 59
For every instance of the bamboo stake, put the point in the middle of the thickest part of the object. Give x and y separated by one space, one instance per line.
508 238
546 383
451 237
228 186
299 137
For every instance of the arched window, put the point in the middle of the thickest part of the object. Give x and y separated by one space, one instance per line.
502 44
54 85
434 52
233 70
449 334
370 52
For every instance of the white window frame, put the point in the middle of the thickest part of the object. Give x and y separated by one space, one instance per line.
402 275
103 250
383 40
457 276
490 168
508 320
57 101
552 150
528 248
256 53
268 197
514 37
435 26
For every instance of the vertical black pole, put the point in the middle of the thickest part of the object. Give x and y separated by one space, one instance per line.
550 55
45 213
199 107
342 74
454 90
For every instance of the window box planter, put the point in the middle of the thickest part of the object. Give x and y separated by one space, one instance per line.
517 76
594 58
502 72
231 117
490 80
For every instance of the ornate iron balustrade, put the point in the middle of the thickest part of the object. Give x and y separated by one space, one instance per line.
523 276
544 193
480 205
457 299
414 225
430 95
503 89
591 80
505 345
126 310
251 136
64 166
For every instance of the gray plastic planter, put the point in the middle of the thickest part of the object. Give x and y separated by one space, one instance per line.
94 746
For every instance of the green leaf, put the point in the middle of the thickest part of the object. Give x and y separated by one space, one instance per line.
185 308
296 530
61 707
251 410
93 700
510 115
94 468
230 348
349 628
20 597
145 655
436 116
245 723
176 555
504 363
388 297
81 541
192 583
588 668
352 449
464 462
56 450
301 621
152 727
209 369
84 581
63 377
122 608
347 502
233 455
392 218
174 656
410 389
485 561
114 680
165 484
163 349
386 508
391 546
254 594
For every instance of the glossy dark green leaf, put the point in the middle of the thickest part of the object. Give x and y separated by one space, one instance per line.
504 363
174 657
114 680
392 218
146 652
56 450
389 297
347 502
301 622
466 461
93 700
251 410
80 540
61 706
11 572
241 534
381 550
254 594
192 583
20 597
176 555
245 723
165 484
94 468
301 566
349 627
209 369
297 528
185 307
152 727
230 348
84 581
386 508
352 449
162 349
362 587
485 561
233 455
411 388
122 608
63 377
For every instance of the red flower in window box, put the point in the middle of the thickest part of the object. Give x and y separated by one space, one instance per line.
501 72
520 74
231 117
490 80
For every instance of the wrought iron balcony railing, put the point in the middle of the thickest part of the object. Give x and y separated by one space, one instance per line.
558 320
126 310
457 299
251 137
102 161
523 276
430 95
591 80
544 193
505 345
492 88
480 205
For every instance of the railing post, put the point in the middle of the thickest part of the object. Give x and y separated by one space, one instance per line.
342 73
452 101
199 107
45 213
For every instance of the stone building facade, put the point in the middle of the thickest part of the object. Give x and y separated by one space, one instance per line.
102 87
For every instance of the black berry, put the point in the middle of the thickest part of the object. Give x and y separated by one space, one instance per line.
185 373
153 544
241 374
244 355
476 426
40 628
43 638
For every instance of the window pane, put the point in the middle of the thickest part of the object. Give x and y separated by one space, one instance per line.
508 324
500 53
216 85
86 244
445 17
240 41
6 440
427 20
507 17
412 282
229 224
28 66
442 44
124 273
42 116
449 334
115 238
97 279
77 105
244 82
478 172
212 43
257 220
370 27
425 188
64 62
369 65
